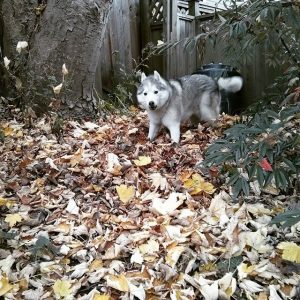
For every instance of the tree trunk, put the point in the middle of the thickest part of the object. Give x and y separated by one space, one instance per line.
58 32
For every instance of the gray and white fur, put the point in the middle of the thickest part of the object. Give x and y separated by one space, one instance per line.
170 102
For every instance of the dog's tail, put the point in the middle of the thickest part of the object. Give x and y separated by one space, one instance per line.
231 84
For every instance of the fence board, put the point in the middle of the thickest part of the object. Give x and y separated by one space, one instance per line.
121 43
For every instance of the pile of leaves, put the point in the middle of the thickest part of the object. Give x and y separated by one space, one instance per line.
99 212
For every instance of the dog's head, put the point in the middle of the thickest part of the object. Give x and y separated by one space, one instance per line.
153 92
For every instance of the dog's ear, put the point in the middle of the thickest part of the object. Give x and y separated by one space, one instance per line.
143 76
156 75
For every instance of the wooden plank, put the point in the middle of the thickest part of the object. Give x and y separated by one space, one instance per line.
134 18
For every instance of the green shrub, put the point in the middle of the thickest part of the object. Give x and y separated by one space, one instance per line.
263 149
287 219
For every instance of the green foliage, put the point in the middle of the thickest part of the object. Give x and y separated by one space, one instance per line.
5 237
43 245
229 265
124 91
288 218
264 148
268 135
272 25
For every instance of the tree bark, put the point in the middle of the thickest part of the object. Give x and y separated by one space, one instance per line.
58 32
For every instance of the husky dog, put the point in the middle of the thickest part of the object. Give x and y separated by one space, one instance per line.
170 102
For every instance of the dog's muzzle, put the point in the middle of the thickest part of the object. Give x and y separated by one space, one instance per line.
152 105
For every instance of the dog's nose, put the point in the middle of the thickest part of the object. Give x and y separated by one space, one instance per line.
151 104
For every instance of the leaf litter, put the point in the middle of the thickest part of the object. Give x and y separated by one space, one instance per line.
102 213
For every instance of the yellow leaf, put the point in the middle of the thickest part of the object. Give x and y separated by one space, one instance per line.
185 175
291 251
6 202
5 287
101 297
247 269
76 158
173 255
13 219
207 188
64 227
197 184
125 193
97 188
95 265
209 267
8 131
19 133
62 288
119 283
142 161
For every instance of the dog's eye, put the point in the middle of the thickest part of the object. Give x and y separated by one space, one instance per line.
145 94
155 92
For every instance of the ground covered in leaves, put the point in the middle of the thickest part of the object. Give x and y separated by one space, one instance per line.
99 212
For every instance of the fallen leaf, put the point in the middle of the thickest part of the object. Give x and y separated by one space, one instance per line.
119 283
101 297
133 131
142 161
76 158
6 264
164 207
8 131
228 284
291 251
51 163
251 286
255 240
62 288
265 165
197 184
125 193
136 257
150 247
173 255
13 219
273 293
5 286
137 291
113 165
72 207
208 288
6 202
159 182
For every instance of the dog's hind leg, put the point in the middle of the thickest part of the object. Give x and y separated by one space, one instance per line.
209 107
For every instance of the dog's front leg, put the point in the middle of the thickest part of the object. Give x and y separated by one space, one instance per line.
175 132
153 130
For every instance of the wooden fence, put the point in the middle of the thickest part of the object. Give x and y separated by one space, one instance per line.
134 23
121 43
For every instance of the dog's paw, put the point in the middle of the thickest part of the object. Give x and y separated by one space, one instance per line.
175 144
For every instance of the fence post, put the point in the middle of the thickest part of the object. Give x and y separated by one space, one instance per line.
194 7
145 22
170 34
